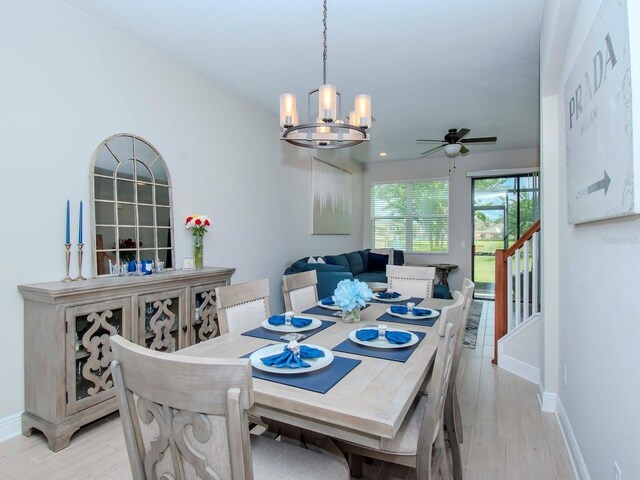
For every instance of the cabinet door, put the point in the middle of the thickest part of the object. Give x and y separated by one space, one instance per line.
162 323
89 327
204 316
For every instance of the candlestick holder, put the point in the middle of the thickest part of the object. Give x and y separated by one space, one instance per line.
80 277
67 253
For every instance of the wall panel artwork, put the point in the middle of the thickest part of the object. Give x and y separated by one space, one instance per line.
602 175
332 199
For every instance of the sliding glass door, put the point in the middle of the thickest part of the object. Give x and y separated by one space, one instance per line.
503 209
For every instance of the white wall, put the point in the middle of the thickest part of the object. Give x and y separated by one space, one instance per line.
69 81
459 198
594 323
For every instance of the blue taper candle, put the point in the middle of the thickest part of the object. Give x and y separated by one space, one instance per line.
80 224
68 237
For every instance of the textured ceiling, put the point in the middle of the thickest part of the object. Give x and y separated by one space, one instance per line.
428 65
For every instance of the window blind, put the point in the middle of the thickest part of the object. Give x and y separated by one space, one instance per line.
411 216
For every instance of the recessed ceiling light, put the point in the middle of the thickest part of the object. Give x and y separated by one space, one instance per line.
383 154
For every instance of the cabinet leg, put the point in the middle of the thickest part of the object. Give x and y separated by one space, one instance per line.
57 443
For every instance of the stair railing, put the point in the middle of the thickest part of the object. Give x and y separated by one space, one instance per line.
517 287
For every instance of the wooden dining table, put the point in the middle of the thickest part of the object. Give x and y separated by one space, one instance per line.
367 406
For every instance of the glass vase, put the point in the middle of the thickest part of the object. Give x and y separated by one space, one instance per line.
352 316
198 246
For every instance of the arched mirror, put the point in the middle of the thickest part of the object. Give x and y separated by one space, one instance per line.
131 204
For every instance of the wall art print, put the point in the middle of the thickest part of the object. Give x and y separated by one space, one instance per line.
602 175
332 199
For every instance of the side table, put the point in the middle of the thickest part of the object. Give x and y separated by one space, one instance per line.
442 270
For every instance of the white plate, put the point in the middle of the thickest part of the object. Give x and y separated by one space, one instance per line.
315 323
330 307
377 343
315 363
410 316
401 298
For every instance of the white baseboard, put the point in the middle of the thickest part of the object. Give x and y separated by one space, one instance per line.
547 400
579 466
521 369
10 426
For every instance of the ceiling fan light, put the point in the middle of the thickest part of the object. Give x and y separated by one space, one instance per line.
452 148
288 112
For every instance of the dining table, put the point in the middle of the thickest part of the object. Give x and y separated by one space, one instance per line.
367 405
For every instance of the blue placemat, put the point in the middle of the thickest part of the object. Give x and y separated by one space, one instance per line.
262 332
387 317
395 354
320 381
415 300
317 310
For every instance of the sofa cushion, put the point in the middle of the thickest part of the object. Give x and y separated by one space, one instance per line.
372 277
337 260
364 254
377 262
355 262
323 267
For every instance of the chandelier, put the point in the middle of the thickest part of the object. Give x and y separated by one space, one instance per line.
328 131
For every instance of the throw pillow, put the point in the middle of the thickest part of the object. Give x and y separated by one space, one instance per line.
355 262
321 260
312 260
338 260
377 262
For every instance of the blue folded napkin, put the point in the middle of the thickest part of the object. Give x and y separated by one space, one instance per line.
368 334
418 312
289 359
296 322
387 295
327 301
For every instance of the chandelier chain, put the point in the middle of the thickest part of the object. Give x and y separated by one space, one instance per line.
324 42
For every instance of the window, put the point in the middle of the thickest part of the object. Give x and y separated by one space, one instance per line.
411 216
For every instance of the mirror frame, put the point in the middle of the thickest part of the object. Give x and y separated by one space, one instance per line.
154 205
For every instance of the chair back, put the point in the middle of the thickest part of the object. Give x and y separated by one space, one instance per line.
300 290
242 306
451 314
467 292
433 418
413 281
183 417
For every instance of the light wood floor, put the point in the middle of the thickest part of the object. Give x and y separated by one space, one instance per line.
506 435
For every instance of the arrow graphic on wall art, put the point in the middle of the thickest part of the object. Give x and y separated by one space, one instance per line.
594 187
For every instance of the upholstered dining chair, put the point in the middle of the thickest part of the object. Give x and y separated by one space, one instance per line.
300 290
185 418
413 281
242 306
419 443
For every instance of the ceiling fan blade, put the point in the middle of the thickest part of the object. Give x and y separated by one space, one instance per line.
464 150
480 140
463 132
435 149
432 141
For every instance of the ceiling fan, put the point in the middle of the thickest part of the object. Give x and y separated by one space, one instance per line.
453 142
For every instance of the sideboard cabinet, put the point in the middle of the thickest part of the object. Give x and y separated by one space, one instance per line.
67 326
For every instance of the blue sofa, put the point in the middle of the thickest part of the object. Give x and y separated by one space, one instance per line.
344 266
349 266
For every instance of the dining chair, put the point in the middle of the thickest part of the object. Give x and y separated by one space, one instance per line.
185 418
300 290
453 420
419 443
413 281
242 306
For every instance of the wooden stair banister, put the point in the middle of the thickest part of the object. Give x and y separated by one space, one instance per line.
501 317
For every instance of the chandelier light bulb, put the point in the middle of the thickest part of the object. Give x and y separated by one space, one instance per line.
288 112
327 102
363 111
